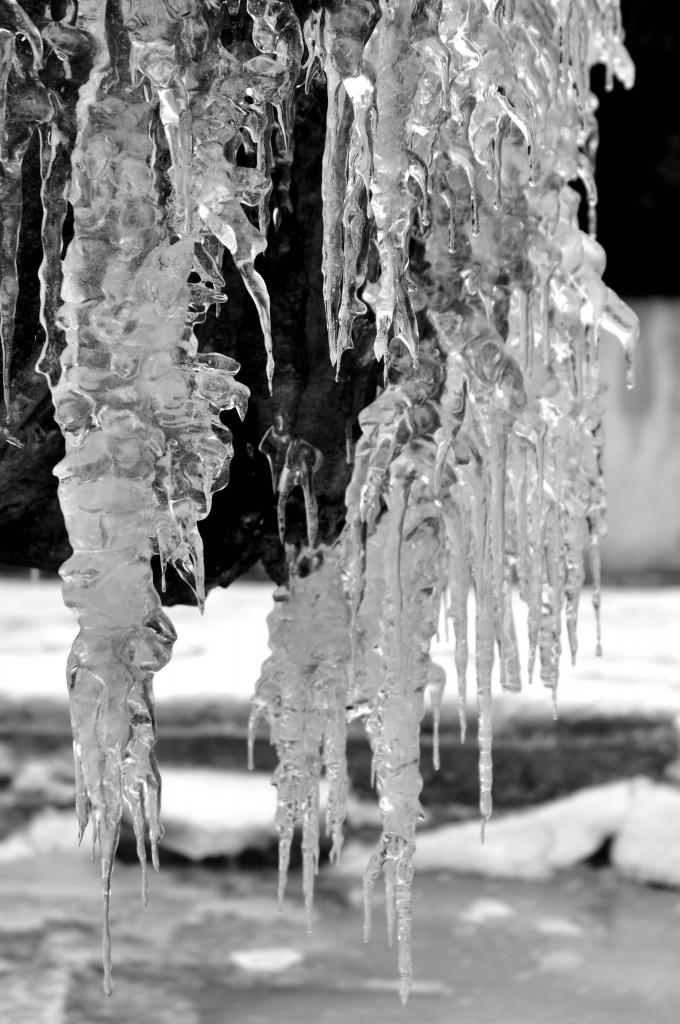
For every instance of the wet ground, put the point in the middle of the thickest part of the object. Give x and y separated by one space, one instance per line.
212 948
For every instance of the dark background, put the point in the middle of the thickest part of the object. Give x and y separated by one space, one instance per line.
638 173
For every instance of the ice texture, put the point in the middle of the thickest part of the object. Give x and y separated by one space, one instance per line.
455 132
302 693
393 548
144 148
453 141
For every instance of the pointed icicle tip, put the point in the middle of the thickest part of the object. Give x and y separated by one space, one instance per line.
482 830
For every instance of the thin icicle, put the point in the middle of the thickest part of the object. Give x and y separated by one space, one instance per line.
24 104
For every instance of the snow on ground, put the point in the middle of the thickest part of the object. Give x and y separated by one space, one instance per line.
215 654
221 652
216 812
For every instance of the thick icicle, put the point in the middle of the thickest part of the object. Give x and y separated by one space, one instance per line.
138 408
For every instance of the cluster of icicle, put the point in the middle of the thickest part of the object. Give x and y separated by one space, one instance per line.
456 131
147 157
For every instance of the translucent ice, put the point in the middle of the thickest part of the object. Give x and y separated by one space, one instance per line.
454 129
479 116
302 693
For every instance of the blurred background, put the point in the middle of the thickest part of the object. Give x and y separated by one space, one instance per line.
571 909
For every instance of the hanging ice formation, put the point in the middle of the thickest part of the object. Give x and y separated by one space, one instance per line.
139 408
456 130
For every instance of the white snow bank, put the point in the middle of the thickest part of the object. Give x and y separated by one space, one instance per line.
220 654
530 844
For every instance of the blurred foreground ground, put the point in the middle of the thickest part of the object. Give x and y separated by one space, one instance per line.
212 949
543 925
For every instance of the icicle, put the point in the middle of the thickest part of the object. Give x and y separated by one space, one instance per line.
484 636
346 28
400 598
621 322
139 411
458 156
585 173
596 572
24 104
10 194
521 89
302 692
458 530
471 466
497 155
537 545
575 542
239 105
293 463
435 688
411 548
25 27
392 202
6 60
526 340
73 47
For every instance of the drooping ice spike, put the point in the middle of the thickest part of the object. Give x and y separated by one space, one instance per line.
293 463
622 323
480 488
25 103
454 130
397 613
302 692
57 137
239 108
107 839
435 688
139 411
392 203
512 290
347 162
